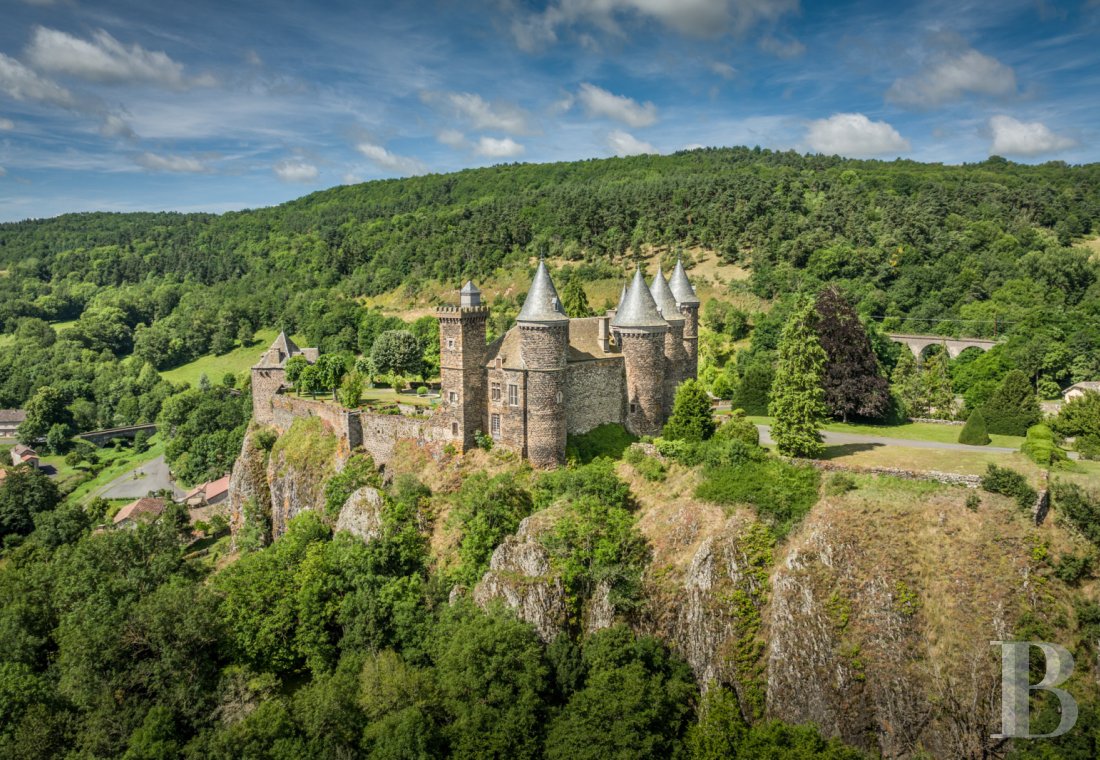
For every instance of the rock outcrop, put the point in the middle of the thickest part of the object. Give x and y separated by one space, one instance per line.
361 514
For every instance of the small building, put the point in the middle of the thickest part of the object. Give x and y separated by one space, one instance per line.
145 509
10 420
1080 389
21 454
208 494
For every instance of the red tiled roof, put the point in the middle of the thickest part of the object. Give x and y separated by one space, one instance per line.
210 490
146 506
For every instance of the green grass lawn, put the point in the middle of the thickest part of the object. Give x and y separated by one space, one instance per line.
236 361
113 463
913 431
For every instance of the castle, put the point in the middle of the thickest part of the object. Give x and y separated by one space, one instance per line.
548 377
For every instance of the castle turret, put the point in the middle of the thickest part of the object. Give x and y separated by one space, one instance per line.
688 304
462 356
676 355
544 335
641 332
269 375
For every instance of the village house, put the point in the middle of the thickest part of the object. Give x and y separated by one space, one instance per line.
21 454
10 420
1080 389
144 509
208 494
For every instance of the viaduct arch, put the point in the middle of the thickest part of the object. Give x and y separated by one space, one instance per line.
953 346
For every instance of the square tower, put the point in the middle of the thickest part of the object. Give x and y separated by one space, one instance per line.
462 357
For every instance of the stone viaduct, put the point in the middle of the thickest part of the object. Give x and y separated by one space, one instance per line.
954 346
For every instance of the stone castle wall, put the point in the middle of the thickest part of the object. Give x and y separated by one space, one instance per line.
595 394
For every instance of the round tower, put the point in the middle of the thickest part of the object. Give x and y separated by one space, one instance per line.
641 331
688 304
544 336
676 355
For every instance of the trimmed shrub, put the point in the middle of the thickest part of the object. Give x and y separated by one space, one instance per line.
1008 482
1041 449
974 432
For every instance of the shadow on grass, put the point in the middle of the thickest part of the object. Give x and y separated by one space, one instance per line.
844 449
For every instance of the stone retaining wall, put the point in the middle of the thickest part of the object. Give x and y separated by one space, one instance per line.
947 478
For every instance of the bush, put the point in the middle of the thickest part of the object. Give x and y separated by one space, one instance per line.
1088 446
692 418
1071 568
736 426
651 469
1041 449
1080 508
839 483
974 432
782 493
1008 482
1013 407
483 441
610 440
973 501
1080 417
422 390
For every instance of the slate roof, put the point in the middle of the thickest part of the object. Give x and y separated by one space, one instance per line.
542 305
639 310
584 345
666 302
681 285
12 415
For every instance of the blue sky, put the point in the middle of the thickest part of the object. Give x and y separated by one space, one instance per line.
196 105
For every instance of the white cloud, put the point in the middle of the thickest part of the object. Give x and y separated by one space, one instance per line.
115 126
480 113
351 179
2 171
498 148
21 83
599 102
171 163
854 135
104 59
1019 138
952 75
252 58
452 137
781 48
6 125
696 18
295 170
383 159
723 70
625 144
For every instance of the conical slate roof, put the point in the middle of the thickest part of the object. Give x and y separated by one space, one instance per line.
681 286
469 288
622 297
285 344
542 304
666 302
639 309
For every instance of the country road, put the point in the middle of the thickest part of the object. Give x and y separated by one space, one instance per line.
835 439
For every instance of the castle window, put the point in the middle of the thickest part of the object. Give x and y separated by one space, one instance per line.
494 425
452 397
513 395
454 428
559 397
496 392
633 407
451 344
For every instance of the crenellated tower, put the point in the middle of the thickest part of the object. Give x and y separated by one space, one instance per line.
462 356
641 331
688 304
677 363
544 336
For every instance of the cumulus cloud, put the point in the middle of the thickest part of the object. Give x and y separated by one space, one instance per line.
391 162
6 125
723 70
480 113
105 60
295 170
599 102
1019 138
452 138
853 134
170 163
951 75
625 144
21 83
696 18
498 148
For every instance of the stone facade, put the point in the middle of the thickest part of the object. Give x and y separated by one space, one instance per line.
546 378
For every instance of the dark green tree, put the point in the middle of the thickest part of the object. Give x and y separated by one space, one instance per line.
48 407
753 394
692 418
974 432
1013 407
396 352
798 400
24 493
574 300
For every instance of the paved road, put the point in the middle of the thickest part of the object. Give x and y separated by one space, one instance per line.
148 476
839 439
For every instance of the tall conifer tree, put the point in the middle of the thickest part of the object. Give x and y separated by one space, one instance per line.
798 400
